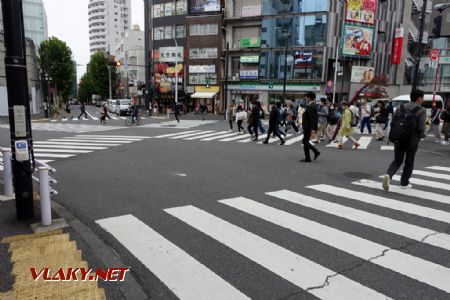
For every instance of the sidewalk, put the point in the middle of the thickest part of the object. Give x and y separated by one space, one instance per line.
20 250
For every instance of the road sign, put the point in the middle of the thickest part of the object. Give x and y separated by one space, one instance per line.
434 54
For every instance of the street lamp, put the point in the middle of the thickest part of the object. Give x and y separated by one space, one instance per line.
176 63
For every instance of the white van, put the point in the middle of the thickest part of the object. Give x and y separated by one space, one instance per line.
112 105
428 100
122 106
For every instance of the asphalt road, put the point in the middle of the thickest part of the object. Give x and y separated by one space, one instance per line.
187 244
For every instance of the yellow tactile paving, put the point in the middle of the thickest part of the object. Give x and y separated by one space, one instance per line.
52 250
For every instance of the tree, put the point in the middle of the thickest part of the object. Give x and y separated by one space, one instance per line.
55 60
86 88
99 73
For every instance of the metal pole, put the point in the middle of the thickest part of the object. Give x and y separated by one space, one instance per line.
225 96
436 78
110 88
18 104
285 73
176 72
44 190
7 172
338 43
419 47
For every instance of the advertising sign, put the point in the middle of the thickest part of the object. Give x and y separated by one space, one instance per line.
165 76
248 74
302 58
204 6
362 74
202 69
250 59
251 42
171 54
397 46
357 41
361 11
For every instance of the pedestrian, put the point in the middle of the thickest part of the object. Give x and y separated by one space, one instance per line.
103 113
292 118
407 128
445 116
203 111
346 126
274 121
323 120
261 118
176 109
230 114
67 110
333 118
240 117
381 115
82 110
390 110
310 121
301 110
134 109
254 121
435 121
366 112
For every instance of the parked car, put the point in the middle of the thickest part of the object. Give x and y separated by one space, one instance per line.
112 105
122 106
428 100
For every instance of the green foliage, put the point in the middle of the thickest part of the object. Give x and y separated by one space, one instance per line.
99 75
86 88
55 59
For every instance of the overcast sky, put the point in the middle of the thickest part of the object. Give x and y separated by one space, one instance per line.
68 21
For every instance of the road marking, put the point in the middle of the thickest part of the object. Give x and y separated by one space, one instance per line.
427 183
75 119
294 268
114 118
217 137
238 137
364 142
296 139
53 155
408 192
94 138
387 148
247 140
123 118
189 135
114 136
45 161
74 144
216 133
87 140
437 168
64 119
53 120
335 145
57 146
92 117
60 150
186 277
406 264
431 174
175 134
410 231
413 209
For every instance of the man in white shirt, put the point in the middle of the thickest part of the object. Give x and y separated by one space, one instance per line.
366 111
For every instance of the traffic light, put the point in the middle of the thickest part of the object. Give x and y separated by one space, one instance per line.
271 84
208 81
437 26
118 63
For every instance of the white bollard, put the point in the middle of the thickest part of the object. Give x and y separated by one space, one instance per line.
7 172
44 189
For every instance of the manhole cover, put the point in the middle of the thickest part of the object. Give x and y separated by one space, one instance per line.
358 175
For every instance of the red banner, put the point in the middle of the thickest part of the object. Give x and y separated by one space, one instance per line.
397 47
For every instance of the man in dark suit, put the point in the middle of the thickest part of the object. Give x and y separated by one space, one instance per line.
309 124
274 120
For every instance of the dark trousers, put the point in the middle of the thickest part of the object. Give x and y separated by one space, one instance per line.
404 153
274 130
230 121
366 121
239 124
83 112
307 146
255 129
177 117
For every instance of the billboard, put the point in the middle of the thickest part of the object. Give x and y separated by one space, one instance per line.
204 6
362 74
171 54
397 46
358 41
361 11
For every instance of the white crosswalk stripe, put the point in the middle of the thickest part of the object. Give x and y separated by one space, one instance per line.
183 274
437 168
428 183
69 127
431 174
205 135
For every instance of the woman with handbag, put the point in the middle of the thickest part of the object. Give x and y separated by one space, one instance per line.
381 115
240 116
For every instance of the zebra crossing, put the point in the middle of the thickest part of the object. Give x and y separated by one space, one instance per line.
55 149
291 139
399 273
66 127
64 119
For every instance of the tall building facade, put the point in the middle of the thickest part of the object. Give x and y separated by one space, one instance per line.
108 22
35 21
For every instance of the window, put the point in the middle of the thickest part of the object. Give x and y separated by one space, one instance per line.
180 31
168 9
200 78
181 7
448 17
202 53
157 11
158 33
133 60
203 29
168 32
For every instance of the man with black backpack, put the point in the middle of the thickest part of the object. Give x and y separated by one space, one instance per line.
407 128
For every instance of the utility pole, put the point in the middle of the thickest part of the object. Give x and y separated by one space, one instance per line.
18 107
225 89
419 47
285 72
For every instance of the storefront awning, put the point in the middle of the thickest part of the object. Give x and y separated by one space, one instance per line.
203 95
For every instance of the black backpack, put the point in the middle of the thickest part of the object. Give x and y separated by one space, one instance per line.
332 118
403 125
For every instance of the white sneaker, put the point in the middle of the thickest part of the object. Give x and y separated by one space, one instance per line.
386 181
409 186
444 143
230 130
